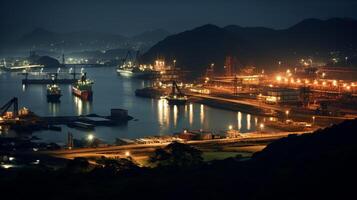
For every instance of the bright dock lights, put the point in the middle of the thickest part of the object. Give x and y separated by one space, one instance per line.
90 137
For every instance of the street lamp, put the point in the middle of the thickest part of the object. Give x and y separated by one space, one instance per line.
287 112
127 153
90 137
313 120
230 127
261 126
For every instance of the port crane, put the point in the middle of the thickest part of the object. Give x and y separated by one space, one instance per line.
5 108
130 57
176 88
176 98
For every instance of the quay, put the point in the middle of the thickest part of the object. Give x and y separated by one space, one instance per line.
118 116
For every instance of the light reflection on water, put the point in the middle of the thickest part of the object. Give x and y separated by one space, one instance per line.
239 118
248 122
154 116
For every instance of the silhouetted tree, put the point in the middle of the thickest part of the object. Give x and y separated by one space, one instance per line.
78 165
177 155
115 166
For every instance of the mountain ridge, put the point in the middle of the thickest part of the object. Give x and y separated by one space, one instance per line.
258 46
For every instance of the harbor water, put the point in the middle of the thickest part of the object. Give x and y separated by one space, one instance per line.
151 116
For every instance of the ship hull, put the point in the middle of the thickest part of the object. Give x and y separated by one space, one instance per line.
176 101
53 97
138 75
83 94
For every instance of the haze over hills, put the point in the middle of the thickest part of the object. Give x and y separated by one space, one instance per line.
258 46
43 40
196 49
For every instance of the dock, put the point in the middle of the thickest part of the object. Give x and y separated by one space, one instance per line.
117 117
47 81
49 77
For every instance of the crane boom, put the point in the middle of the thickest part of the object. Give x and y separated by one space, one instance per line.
5 108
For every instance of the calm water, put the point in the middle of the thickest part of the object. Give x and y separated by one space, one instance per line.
154 117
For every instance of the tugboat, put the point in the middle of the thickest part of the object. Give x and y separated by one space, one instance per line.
83 88
176 98
53 91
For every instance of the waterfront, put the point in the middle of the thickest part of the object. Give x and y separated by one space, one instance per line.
151 117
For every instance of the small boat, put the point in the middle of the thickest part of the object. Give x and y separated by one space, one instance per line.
53 90
83 88
53 93
176 98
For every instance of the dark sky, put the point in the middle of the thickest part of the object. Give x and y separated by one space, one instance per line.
129 17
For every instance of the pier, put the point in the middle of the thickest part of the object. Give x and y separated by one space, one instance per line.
49 77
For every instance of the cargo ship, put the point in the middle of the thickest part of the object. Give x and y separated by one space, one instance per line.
176 98
53 93
83 88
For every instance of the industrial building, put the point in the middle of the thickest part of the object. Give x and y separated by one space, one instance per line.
273 95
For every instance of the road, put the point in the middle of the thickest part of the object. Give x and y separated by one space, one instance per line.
140 151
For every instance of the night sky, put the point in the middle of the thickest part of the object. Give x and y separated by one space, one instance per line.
130 17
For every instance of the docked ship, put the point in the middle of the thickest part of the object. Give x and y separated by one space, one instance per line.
134 71
176 98
83 88
53 93
130 68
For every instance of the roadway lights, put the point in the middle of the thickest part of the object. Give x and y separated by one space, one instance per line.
334 83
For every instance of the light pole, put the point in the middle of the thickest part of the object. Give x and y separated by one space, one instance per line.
230 127
261 126
90 137
313 120
287 112
127 153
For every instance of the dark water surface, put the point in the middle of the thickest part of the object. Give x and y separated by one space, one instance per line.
154 117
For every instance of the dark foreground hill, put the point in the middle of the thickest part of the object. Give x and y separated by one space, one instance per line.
261 47
321 165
